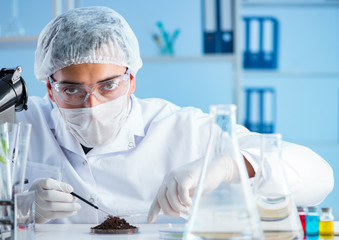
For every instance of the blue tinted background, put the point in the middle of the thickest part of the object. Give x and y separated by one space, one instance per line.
306 83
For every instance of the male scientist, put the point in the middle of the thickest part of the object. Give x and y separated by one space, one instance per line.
126 155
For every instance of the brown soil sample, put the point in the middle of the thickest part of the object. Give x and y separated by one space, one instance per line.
114 223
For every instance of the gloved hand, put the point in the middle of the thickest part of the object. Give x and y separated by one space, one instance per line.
175 194
53 200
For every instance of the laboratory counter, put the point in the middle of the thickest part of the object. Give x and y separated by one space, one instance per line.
83 232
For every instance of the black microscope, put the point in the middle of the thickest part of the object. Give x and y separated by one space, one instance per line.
13 93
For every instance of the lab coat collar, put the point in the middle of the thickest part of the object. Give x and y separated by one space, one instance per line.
134 126
135 121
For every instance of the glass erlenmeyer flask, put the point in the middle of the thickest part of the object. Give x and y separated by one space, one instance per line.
223 205
276 206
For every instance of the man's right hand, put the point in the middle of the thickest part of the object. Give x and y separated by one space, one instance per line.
53 200
175 194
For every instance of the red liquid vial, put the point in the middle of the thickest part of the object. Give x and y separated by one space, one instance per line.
302 216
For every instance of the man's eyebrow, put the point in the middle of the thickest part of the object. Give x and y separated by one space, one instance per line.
110 78
70 82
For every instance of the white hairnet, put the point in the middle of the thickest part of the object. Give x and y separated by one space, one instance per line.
86 35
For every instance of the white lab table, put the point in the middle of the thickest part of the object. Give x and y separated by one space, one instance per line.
82 232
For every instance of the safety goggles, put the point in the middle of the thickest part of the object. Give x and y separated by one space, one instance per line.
77 94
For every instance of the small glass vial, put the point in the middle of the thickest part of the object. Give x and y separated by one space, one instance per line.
312 221
302 216
326 223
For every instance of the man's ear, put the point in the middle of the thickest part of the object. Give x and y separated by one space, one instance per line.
132 84
50 92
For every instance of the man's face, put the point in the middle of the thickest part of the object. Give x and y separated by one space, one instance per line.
92 75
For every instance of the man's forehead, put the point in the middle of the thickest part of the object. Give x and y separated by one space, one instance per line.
88 73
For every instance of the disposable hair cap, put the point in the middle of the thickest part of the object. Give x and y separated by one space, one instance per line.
86 35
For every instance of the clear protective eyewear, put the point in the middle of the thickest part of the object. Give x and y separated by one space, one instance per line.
77 94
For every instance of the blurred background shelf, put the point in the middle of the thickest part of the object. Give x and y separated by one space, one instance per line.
31 41
280 73
18 42
198 58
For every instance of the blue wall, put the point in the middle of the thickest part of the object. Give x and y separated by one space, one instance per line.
307 86
307 80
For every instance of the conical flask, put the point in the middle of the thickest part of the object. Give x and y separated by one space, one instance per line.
223 203
276 207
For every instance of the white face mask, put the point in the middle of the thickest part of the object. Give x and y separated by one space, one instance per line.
98 125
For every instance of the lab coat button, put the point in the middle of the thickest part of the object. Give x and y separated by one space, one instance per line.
91 200
84 163
130 145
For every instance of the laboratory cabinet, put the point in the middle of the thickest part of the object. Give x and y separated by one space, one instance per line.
306 80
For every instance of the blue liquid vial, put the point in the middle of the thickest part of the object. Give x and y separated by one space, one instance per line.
312 222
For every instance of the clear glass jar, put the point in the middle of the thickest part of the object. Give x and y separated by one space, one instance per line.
326 223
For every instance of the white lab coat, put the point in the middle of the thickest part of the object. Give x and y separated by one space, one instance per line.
123 177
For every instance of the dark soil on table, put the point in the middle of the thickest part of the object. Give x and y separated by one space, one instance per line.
112 222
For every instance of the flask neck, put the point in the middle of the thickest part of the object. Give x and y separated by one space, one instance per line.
224 116
270 178
271 149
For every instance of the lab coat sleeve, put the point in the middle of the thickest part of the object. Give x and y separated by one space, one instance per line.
309 176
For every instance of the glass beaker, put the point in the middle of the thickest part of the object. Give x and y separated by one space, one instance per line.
275 203
8 133
20 156
24 215
223 204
